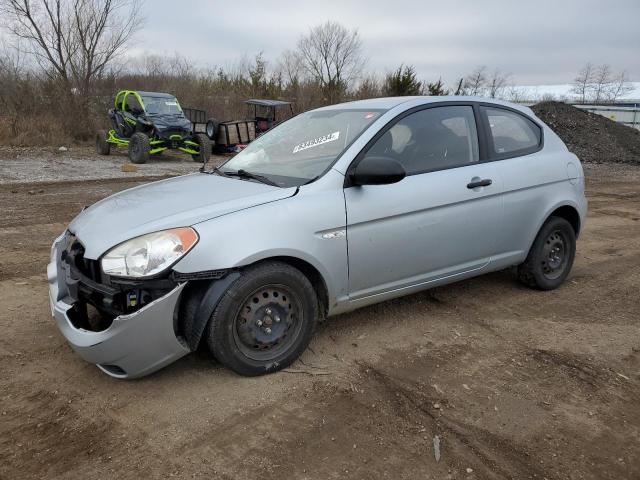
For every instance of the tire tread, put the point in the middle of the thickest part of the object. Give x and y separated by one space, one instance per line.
530 273
220 322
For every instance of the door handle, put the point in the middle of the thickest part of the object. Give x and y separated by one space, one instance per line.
480 183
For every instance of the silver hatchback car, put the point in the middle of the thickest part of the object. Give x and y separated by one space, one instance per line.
337 208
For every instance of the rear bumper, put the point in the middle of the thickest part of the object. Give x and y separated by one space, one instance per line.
134 345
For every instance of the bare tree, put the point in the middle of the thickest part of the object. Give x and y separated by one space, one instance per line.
601 82
369 87
73 40
618 87
176 65
290 67
475 83
583 83
332 55
518 94
497 84
11 71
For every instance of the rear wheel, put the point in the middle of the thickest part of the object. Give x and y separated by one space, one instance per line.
264 321
102 146
551 256
139 148
205 148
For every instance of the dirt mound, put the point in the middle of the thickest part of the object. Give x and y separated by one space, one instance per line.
593 138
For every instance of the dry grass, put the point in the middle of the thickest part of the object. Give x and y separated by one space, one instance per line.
34 130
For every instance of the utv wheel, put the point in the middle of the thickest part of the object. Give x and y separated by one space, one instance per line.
205 148
551 256
139 148
264 321
102 146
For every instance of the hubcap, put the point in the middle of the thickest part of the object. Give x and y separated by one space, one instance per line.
268 322
554 255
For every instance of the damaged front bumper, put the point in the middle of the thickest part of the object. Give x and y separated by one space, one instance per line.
134 344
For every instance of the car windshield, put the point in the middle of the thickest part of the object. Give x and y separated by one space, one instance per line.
161 105
302 148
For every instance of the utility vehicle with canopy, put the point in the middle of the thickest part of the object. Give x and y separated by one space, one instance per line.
265 113
149 123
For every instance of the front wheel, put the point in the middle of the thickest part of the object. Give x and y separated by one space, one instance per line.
139 148
264 321
551 256
205 148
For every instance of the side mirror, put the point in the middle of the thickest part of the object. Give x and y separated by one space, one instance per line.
373 170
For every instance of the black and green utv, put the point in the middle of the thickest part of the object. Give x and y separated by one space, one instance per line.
149 123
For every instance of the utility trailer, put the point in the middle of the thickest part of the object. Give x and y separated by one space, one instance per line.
234 135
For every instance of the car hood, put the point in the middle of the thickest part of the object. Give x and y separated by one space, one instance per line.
176 202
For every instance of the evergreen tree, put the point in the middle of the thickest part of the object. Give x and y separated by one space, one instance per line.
402 82
437 89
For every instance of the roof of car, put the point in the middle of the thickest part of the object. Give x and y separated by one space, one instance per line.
267 102
387 103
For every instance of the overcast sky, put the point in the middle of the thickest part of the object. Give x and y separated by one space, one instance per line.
536 41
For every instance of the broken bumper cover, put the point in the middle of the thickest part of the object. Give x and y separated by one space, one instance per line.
134 345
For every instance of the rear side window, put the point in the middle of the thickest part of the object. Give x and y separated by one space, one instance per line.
431 139
511 134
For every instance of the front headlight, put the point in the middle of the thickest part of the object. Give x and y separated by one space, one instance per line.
149 254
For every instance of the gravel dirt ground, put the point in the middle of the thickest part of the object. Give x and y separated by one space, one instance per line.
28 164
483 379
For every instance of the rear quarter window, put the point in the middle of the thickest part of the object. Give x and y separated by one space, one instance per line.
511 133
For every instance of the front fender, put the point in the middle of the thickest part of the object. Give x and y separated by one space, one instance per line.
310 226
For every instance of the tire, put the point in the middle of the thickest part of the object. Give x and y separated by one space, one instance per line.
212 129
205 148
264 321
551 256
102 146
139 148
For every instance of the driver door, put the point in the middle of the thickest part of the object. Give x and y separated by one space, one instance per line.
442 220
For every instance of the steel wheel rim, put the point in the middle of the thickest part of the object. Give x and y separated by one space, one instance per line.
268 322
554 255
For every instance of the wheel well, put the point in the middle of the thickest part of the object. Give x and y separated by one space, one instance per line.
570 214
314 276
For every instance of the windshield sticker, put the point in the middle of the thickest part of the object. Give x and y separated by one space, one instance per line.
171 104
331 137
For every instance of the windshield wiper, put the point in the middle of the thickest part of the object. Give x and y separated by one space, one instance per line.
253 176
215 170
218 171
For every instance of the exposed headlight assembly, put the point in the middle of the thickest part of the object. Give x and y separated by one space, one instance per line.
149 254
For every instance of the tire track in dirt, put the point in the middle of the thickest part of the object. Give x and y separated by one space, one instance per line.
501 458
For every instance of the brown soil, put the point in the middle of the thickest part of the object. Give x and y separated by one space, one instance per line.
514 383
593 138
